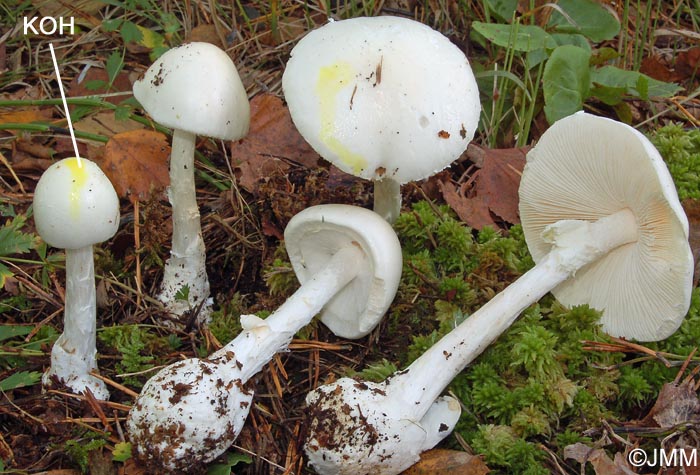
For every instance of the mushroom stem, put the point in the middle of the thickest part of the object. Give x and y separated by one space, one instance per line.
73 356
187 262
387 199
574 244
274 333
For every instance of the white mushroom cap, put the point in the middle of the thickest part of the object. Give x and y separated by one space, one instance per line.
317 233
586 167
75 205
196 87
382 97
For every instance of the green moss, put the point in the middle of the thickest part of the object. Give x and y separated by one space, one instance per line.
680 148
134 344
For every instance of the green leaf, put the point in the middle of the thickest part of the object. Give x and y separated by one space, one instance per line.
232 459
643 86
503 9
13 240
587 17
121 452
603 55
130 32
5 272
112 25
571 39
523 38
12 331
609 95
113 65
150 39
183 293
611 76
565 82
95 84
122 112
20 379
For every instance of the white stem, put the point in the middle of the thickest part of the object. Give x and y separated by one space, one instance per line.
187 262
575 244
73 356
257 344
387 199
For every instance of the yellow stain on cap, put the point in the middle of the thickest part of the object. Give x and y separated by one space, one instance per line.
331 80
79 177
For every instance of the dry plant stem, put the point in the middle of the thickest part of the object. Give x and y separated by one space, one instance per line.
73 356
275 333
387 199
187 262
575 244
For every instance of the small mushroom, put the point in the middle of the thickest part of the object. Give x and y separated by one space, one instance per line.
601 216
192 411
194 89
384 98
75 206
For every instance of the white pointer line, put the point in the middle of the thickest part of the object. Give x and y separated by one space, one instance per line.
65 104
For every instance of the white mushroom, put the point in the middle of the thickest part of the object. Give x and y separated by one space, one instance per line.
384 98
627 243
190 412
194 89
75 206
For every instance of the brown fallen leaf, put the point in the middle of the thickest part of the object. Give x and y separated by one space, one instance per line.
25 116
677 403
687 62
492 191
602 464
272 143
447 462
656 68
137 162
474 212
77 89
104 123
206 33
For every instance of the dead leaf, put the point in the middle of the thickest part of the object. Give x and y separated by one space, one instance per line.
78 89
687 62
104 123
205 33
447 462
25 116
602 464
656 68
137 162
676 404
272 143
81 10
474 212
493 192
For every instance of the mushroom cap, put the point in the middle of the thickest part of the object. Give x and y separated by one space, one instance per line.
314 235
382 97
75 204
195 87
585 168
353 427
188 414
